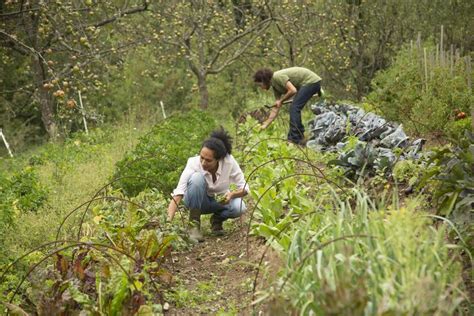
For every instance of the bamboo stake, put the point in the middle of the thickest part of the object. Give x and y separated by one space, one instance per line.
83 113
441 47
6 144
468 71
451 59
426 68
163 109
431 63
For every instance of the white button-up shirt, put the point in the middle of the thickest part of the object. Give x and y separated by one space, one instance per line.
227 172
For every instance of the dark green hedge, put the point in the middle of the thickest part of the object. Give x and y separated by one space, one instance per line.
161 155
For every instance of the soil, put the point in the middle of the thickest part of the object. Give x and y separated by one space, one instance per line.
216 276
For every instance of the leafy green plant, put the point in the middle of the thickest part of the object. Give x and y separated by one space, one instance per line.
407 171
115 267
358 258
29 193
457 129
160 156
22 192
453 168
344 252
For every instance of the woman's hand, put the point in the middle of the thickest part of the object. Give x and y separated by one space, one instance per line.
173 206
228 196
234 194
264 125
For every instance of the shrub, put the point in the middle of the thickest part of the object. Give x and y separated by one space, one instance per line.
26 188
21 193
161 155
454 173
423 104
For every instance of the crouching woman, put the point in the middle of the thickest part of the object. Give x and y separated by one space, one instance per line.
206 176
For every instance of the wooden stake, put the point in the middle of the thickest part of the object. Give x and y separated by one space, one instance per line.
163 109
5 142
468 71
426 68
431 63
441 47
83 113
451 59
436 63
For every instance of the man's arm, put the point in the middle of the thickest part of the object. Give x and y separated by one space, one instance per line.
290 91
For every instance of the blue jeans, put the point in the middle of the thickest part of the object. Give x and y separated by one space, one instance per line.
196 198
296 133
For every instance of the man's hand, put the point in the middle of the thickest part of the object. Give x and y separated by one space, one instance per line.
278 103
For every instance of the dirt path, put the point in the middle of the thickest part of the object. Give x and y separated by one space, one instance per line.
215 277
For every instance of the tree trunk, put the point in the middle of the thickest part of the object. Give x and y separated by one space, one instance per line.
203 92
40 76
46 103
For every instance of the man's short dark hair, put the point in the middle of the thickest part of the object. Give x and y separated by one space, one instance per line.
263 75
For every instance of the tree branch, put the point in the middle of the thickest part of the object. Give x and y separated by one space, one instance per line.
122 14
20 47
237 37
14 14
236 55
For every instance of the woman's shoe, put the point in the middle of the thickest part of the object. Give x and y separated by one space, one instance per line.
216 225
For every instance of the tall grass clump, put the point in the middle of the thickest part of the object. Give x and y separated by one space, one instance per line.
364 258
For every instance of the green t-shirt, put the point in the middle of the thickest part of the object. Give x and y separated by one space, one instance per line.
298 76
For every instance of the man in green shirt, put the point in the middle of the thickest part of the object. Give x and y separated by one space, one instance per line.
299 82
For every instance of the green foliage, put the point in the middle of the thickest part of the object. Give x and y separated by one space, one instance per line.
138 85
204 292
451 173
456 130
161 155
404 94
357 257
344 252
22 192
127 65
115 279
29 193
407 171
